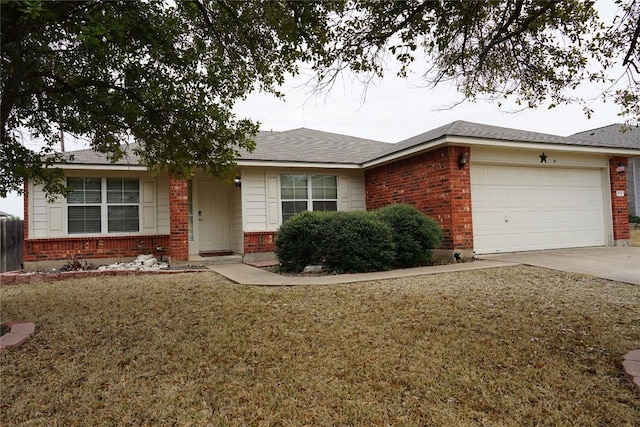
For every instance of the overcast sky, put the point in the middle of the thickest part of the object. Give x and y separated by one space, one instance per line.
394 109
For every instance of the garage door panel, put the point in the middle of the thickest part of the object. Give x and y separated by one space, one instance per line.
529 208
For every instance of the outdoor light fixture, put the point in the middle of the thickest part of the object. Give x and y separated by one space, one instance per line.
237 181
621 168
462 160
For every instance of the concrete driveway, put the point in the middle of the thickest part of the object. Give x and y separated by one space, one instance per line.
614 263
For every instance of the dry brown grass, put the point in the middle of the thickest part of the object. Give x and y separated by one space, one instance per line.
635 237
509 346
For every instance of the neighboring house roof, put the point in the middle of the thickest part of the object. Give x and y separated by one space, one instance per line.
615 135
4 214
313 146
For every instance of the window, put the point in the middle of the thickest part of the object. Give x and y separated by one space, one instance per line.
84 214
296 197
123 199
103 205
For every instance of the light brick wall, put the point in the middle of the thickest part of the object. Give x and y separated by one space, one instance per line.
434 184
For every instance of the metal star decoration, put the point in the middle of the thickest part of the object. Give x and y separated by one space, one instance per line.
543 158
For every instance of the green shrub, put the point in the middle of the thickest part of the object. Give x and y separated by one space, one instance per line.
297 242
415 235
634 219
357 242
339 241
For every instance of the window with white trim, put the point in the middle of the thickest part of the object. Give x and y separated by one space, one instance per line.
84 205
103 205
297 195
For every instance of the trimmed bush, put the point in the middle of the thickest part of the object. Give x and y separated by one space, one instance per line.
339 241
357 242
634 219
415 235
297 244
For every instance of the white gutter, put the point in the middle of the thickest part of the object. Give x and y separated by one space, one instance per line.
468 141
546 146
80 166
281 164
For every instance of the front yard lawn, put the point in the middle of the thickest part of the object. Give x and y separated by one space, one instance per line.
508 346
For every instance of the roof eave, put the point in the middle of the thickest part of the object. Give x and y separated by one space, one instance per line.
295 164
470 141
92 166
578 148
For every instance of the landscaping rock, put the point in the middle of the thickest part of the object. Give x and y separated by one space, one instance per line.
150 262
141 263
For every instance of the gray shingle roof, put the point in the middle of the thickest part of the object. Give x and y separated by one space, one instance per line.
308 145
462 128
616 135
90 157
313 146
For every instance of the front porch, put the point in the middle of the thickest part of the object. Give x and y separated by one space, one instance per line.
205 220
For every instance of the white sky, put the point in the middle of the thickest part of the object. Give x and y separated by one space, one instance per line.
395 109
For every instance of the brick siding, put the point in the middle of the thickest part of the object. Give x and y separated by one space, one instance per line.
434 184
92 247
179 219
619 204
259 242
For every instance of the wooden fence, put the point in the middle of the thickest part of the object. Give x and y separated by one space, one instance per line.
10 245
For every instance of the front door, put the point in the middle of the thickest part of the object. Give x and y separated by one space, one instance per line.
213 216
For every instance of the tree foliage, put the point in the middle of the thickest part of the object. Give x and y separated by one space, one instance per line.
164 76
534 51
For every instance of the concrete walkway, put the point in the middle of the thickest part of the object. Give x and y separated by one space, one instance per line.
621 264
247 275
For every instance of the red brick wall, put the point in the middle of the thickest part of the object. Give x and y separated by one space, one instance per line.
433 183
179 219
259 241
619 204
92 247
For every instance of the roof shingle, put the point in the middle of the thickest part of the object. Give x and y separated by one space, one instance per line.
312 146
616 135
308 145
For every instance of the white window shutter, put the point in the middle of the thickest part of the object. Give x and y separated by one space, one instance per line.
273 204
148 207
344 193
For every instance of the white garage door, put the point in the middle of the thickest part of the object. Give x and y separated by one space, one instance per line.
529 208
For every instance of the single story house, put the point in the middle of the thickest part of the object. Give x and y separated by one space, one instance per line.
622 136
492 190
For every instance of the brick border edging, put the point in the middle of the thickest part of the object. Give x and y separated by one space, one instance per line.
20 332
22 278
631 367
